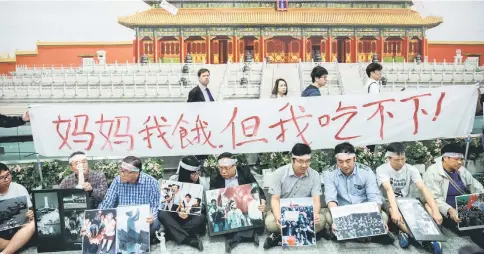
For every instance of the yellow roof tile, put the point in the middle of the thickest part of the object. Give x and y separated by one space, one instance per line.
269 16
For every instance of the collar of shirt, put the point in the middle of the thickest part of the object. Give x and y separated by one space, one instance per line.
204 88
355 172
291 172
235 176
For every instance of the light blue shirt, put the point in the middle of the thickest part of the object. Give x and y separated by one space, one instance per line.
359 187
232 182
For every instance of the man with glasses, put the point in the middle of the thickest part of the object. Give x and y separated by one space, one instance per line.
447 179
395 178
231 175
11 241
94 182
294 180
373 71
319 77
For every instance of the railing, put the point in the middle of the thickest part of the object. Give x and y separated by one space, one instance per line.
223 84
301 76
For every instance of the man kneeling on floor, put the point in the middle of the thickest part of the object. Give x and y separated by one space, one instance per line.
395 178
350 183
14 239
295 180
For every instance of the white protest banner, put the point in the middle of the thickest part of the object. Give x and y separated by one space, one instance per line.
169 7
251 126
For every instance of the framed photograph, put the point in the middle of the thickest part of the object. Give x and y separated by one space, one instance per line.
356 221
99 231
181 197
419 222
470 209
233 209
297 220
132 230
13 213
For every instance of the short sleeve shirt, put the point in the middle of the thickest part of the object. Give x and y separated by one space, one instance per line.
400 180
286 184
16 190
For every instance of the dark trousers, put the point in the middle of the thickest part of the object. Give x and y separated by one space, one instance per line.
174 207
178 228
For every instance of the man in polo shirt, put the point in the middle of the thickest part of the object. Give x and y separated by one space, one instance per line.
447 178
295 180
349 183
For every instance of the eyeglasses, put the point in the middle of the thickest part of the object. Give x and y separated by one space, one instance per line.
225 168
307 162
5 177
398 159
125 172
197 173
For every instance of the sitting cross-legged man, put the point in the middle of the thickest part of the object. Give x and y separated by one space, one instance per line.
395 178
295 180
350 183
12 240
447 179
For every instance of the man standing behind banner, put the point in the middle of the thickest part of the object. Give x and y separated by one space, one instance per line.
13 121
395 178
447 178
350 183
373 71
295 180
319 77
94 182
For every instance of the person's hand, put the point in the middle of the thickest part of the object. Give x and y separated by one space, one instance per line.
183 215
30 215
26 117
87 186
150 219
397 217
316 219
453 215
278 221
437 217
333 227
386 228
262 206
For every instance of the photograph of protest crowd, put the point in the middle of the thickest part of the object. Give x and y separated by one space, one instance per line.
233 209
297 220
470 209
181 197
99 231
420 223
13 212
356 221
132 230
73 221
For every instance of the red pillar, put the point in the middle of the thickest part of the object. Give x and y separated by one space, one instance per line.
354 52
262 48
329 46
405 48
379 48
182 49
424 48
303 49
155 41
137 45
235 49
207 48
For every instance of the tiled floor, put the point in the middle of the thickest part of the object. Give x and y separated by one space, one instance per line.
215 245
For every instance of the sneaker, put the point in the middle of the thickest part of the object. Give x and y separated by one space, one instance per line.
433 247
273 240
403 240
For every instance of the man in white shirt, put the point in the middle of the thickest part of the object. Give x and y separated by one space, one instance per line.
373 71
13 240
253 208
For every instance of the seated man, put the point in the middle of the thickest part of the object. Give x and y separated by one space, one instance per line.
395 178
350 183
11 241
295 180
94 182
231 175
447 178
134 187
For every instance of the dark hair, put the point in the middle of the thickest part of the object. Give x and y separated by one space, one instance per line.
202 71
396 147
199 201
254 190
318 72
4 167
135 161
213 200
452 148
183 174
373 67
188 195
301 149
225 155
345 147
275 90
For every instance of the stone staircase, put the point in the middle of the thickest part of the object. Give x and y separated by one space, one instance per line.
351 79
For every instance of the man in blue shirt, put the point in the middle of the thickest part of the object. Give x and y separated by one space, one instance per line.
348 183
133 187
319 77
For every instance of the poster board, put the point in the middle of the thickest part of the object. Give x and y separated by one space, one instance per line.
181 197
297 220
421 225
99 231
13 213
356 221
132 230
470 209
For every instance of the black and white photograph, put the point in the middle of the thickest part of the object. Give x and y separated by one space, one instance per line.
132 230
74 199
470 209
99 232
419 222
73 221
297 220
181 197
233 209
13 212
47 217
356 221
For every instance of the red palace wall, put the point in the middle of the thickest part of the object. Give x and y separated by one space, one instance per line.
446 50
6 67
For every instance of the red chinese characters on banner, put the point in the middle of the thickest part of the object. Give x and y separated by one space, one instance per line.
416 101
79 133
121 131
325 120
250 127
380 109
182 132
200 127
294 119
155 127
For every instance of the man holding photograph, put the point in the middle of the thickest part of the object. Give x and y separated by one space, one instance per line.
11 241
295 180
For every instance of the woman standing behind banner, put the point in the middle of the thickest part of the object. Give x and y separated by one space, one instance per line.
181 227
280 89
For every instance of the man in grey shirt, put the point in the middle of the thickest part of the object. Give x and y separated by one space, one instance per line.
295 180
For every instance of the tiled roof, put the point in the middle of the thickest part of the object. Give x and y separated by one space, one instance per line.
269 16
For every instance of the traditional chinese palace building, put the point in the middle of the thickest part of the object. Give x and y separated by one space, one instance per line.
219 31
